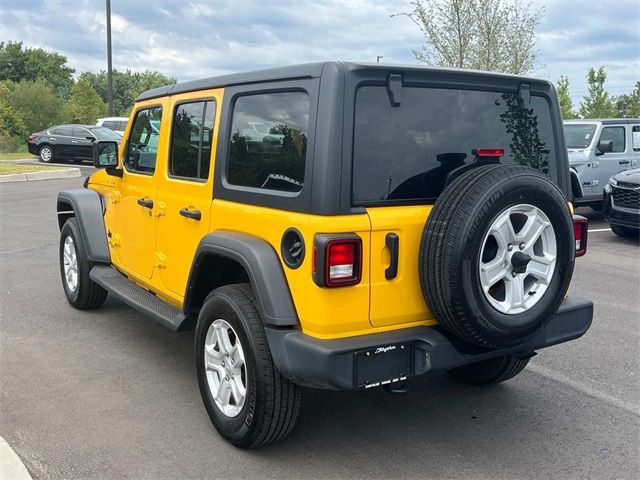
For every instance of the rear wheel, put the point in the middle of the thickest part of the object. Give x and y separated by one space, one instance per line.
46 154
249 402
489 372
625 231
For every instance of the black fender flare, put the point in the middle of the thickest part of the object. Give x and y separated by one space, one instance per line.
86 205
261 264
575 183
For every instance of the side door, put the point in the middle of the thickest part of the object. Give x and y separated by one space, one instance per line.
134 225
64 146
185 187
610 163
82 143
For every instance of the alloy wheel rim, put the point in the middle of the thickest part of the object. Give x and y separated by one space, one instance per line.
46 154
225 367
517 259
70 263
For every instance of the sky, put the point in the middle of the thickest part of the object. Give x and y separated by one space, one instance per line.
195 39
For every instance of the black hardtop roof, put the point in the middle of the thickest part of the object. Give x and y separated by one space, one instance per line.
604 121
307 70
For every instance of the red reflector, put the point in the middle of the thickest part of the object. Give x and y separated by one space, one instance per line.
580 232
490 152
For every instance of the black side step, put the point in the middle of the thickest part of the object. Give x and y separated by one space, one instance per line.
137 297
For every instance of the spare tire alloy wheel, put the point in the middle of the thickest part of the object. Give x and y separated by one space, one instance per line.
225 367
516 268
497 255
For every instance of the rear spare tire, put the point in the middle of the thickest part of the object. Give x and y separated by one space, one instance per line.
497 255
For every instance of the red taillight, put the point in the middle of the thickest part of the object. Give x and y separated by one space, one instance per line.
580 231
338 260
32 137
489 152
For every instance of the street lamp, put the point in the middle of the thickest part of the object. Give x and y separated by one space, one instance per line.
378 57
109 69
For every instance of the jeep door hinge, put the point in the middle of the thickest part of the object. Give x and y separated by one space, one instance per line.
114 239
160 209
159 260
596 163
116 196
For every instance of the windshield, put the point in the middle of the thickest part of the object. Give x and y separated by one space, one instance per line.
406 152
106 134
579 136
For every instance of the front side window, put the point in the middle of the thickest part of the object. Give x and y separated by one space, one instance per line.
142 146
191 138
268 144
616 135
579 136
405 152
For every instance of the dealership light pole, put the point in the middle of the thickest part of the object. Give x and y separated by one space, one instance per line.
109 69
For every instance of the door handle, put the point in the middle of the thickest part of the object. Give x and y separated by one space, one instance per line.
143 202
195 214
623 162
74 141
392 242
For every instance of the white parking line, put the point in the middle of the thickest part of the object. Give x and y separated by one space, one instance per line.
11 467
600 230
625 405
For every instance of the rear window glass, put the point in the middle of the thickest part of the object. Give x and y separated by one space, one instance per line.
191 139
268 145
406 152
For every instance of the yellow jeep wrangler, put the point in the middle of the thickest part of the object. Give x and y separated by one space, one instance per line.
336 226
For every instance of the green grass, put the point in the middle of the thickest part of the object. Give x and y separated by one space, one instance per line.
16 156
6 169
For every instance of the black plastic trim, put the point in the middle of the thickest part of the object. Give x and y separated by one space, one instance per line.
329 364
263 267
87 208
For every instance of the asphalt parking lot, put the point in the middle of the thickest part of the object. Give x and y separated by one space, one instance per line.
112 394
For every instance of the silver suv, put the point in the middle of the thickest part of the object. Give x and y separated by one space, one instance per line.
598 149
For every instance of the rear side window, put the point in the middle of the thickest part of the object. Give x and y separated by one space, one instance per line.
616 135
109 124
142 146
406 152
66 131
635 137
191 138
268 144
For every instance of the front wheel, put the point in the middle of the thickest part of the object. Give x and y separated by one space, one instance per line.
249 402
489 372
80 290
625 232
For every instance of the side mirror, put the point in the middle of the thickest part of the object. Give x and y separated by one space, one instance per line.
91 139
105 155
604 146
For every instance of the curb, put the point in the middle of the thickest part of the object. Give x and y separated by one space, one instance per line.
42 175
11 467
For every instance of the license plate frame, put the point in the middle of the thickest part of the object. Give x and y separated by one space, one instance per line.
382 365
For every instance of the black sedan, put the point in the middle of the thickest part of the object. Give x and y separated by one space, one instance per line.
68 142
622 203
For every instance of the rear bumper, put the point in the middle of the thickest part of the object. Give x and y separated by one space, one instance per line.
333 364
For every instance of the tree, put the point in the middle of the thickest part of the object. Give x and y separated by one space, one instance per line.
566 104
18 63
628 105
597 103
84 105
37 103
127 86
477 34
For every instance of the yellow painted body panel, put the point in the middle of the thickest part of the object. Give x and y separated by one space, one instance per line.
399 300
177 237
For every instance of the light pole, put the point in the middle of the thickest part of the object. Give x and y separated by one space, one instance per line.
109 69
378 57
